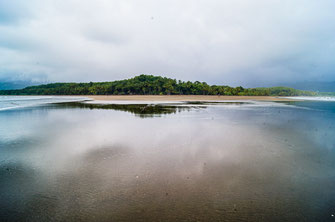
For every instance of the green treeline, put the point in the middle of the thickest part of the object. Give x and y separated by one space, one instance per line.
151 85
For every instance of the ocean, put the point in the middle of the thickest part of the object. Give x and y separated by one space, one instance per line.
69 159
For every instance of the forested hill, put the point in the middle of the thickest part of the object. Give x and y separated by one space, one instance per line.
151 85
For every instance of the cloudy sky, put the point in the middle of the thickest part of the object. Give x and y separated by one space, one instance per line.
237 42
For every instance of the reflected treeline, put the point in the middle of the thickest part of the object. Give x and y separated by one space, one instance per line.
148 110
140 110
215 103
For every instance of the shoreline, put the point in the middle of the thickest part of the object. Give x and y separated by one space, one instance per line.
185 98
176 98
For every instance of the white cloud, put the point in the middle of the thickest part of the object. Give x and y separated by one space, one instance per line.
219 41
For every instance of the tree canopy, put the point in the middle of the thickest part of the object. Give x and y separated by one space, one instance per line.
151 85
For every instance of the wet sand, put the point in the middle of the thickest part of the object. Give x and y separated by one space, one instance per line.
122 163
186 98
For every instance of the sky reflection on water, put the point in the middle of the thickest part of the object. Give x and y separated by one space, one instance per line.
218 162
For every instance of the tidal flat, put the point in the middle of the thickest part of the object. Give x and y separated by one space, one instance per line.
187 161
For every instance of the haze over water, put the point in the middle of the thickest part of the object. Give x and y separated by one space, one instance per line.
244 161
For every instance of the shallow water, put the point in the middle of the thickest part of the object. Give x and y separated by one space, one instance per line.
168 162
15 102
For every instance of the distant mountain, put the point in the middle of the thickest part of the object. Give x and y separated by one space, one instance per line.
7 85
313 86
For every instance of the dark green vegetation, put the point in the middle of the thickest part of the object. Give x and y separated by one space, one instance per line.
152 85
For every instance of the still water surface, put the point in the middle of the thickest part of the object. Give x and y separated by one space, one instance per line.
171 162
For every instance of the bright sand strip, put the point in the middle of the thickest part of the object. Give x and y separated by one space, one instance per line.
186 98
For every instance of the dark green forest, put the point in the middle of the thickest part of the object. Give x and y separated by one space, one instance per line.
152 85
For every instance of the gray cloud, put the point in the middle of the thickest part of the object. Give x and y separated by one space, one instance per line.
223 42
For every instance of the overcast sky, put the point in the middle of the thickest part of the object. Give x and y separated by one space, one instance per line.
237 42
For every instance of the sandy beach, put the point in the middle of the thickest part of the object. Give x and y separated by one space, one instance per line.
186 98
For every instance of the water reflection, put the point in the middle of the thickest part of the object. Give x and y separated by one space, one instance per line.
140 110
212 164
217 103
148 110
